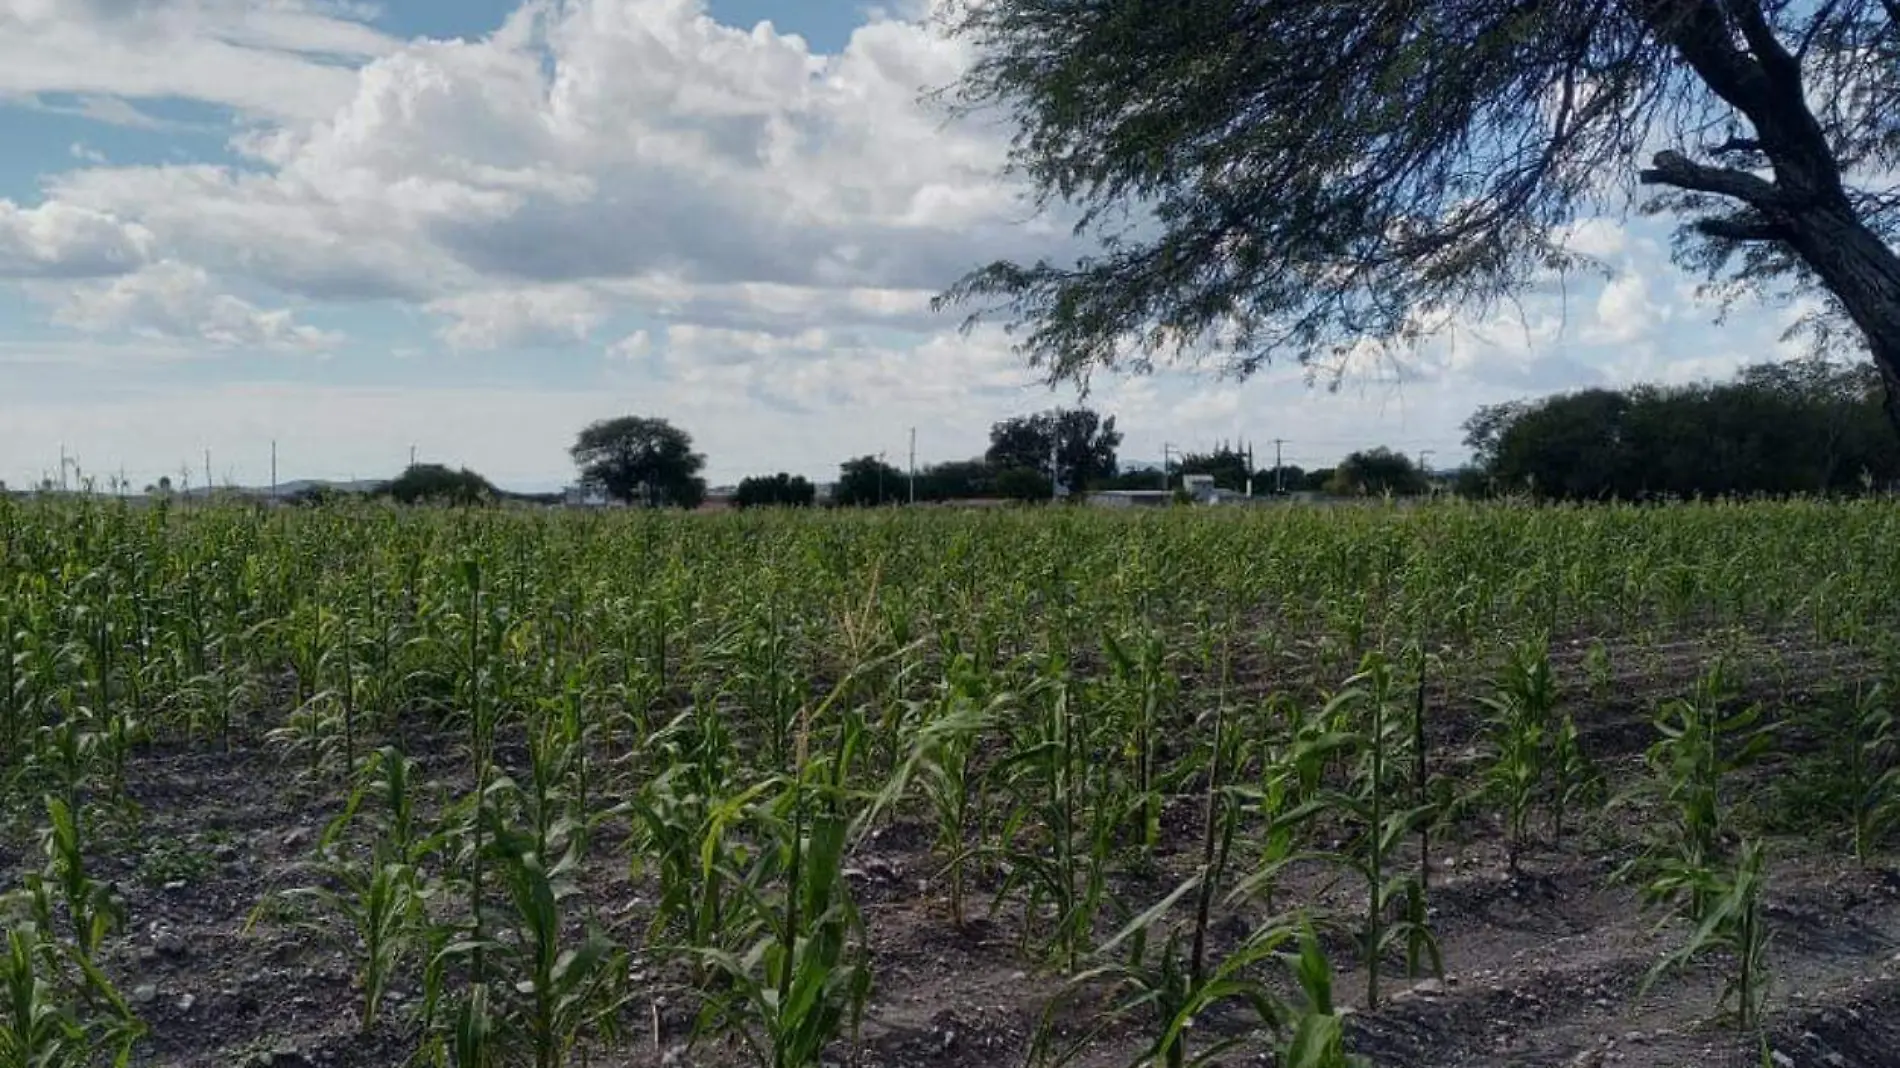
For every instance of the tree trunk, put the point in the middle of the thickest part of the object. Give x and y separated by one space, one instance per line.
1807 205
1863 273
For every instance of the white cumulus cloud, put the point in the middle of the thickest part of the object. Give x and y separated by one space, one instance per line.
636 145
523 316
57 240
174 300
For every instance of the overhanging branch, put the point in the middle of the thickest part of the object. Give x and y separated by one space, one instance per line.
1676 169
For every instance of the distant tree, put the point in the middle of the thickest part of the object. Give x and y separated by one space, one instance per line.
1227 464
867 482
1023 484
1315 481
316 495
957 480
1314 174
1147 478
1473 482
434 483
641 460
780 490
1377 472
1290 478
1569 446
1805 426
1084 445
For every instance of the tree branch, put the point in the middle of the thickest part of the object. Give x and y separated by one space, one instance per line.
1741 228
1674 168
1776 61
1816 24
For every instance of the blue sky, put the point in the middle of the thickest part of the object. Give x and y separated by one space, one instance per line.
472 226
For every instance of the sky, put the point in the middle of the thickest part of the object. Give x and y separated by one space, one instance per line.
468 228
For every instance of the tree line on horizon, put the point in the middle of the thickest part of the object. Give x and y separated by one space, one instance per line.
1805 426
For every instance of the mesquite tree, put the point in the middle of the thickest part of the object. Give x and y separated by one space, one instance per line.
1294 177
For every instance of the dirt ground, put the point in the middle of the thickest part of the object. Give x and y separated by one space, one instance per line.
1540 969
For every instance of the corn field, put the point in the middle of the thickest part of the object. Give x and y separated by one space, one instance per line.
360 785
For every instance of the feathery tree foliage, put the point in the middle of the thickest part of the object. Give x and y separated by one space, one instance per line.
1296 178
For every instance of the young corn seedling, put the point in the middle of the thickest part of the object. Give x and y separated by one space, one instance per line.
46 987
1163 987
1576 780
381 898
1317 1035
563 994
89 904
1733 924
382 910
1873 770
1700 744
684 819
1289 798
1174 988
1519 730
1145 686
943 766
1370 852
803 980
1065 816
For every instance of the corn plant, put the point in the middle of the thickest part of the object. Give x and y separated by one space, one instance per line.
1575 778
61 1011
89 904
1289 798
943 765
684 819
1519 729
1873 769
381 906
381 898
799 979
1700 744
564 993
1065 815
1732 922
1144 682
1379 828
1316 1036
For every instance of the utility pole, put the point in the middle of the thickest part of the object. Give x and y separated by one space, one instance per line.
62 467
273 469
1279 469
1166 447
913 465
207 474
412 456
